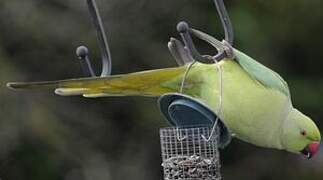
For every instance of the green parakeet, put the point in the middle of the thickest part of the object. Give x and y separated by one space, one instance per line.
256 107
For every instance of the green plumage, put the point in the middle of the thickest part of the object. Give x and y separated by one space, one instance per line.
256 103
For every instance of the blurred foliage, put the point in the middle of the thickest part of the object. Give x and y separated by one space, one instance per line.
44 136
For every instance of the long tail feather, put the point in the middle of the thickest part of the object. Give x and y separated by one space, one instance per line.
32 85
145 83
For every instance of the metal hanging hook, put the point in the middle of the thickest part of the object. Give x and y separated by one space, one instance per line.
179 135
184 30
224 48
83 53
213 131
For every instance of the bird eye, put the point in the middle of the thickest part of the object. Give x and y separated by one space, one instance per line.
303 133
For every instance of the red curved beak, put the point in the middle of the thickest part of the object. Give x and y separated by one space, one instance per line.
313 148
310 150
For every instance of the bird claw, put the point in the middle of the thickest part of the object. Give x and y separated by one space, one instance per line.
224 48
179 52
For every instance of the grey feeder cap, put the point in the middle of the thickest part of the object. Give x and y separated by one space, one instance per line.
184 111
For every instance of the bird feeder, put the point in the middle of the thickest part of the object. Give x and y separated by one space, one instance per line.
187 154
190 148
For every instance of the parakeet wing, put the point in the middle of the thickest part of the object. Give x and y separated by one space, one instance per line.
261 73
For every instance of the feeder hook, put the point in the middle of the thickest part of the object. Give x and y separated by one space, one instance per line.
82 51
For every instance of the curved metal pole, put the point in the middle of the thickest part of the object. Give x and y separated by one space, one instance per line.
226 22
82 51
105 51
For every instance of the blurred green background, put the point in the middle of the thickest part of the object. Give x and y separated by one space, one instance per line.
44 136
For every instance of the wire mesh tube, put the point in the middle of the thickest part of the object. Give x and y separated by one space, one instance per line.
186 154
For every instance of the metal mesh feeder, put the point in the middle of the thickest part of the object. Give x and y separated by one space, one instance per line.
187 153
189 149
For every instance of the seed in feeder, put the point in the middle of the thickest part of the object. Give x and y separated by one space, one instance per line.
190 167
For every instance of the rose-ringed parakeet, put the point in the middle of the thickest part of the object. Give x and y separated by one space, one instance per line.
256 103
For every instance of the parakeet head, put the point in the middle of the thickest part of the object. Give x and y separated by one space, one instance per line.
300 134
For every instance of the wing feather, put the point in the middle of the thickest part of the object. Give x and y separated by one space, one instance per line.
261 73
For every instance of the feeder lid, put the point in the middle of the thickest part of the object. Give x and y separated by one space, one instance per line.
184 111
